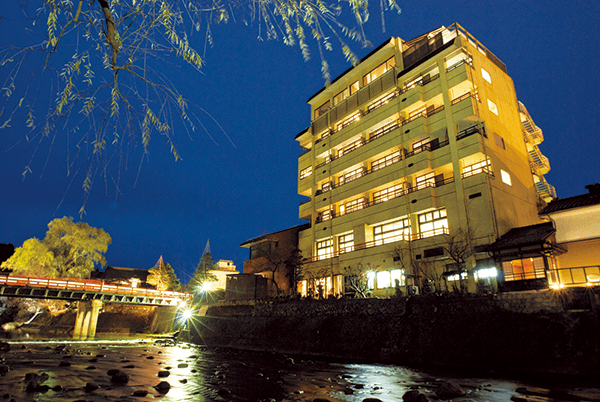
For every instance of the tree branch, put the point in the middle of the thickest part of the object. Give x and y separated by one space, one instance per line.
111 31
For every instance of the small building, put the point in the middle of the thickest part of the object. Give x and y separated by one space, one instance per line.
221 269
276 257
133 277
245 287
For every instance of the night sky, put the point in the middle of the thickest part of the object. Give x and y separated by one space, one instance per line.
229 190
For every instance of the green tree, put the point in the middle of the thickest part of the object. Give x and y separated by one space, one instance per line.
163 277
106 65
69 250
202 275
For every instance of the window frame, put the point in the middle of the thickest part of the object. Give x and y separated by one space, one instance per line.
389 233
437 219
374 74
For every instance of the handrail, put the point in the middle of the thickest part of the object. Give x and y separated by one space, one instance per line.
92 285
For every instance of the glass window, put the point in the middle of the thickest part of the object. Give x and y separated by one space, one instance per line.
352 206
321 110
500 141
346 243
351 147
383 280
305 172
388 193
391 232
420 145
326 215
433 223
398 274
385 161
505 177
486 76
345 93
476 168
383 130
371 279
348 121
492 107
427 180
526 268
352 175
324 249
379 71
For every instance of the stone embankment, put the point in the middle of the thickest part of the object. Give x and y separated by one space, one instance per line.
526 331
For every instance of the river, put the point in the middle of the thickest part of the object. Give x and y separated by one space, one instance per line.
77 371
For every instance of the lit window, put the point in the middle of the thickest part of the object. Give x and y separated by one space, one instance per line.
500 141
427 180
420 146
351 147
321 110
433 223
370 279
385 161
305 172
388 193
476 168
381 101
398 274
379 71
346 243
383 279
486 273
348 121
452 278
345 93
326 187
492 107
391 232
505 177
486 76
326 215
302 288
421 111
352 175
352 206
383 130
324 249
526 268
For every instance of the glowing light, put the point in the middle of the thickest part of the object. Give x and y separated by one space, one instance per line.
205 287
487 273
186 314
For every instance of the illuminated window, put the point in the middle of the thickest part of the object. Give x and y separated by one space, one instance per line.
419 146
326 215
305 172
418 112
346 243
427 180
398 274
388 193
486 273
302 288
321 110
492 107
351 147
382 101
326 187
526 268
379 71
385 161
352 206
383 130
476 168
348 121
383 279
324 249
505 177
371 280
452 278
391 232
352 175
486 76
433 223
345 93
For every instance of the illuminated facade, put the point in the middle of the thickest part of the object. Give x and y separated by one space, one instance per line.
421 142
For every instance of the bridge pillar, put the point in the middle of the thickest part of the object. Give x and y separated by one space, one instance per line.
87 319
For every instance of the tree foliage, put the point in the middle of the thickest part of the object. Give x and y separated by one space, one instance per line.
69 250
202 274
106 65
163 277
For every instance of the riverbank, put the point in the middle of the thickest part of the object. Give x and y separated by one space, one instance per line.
482 333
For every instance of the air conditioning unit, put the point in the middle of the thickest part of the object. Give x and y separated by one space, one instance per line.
412 290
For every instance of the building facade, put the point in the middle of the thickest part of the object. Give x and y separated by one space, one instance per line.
418 150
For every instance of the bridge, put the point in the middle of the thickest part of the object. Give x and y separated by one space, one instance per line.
90 294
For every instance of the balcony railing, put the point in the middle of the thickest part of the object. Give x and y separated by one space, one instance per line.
391 196
545 190
539 163
464 96
470 131
578 276
379 242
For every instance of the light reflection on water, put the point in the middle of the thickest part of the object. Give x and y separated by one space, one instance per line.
200 374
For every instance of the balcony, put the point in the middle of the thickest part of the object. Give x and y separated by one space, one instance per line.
538 162
531 132
545 190
379 242
470 131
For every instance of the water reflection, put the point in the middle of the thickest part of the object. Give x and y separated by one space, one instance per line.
198 374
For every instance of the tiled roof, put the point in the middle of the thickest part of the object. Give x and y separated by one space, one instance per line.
584 200
523 236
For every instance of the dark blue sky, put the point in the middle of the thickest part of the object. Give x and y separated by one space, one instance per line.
257 92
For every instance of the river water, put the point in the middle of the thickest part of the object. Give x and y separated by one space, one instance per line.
197 373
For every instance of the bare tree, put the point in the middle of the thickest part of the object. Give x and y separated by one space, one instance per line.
459 246
358 280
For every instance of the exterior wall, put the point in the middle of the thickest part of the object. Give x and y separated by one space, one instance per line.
453 96
270 256
222 269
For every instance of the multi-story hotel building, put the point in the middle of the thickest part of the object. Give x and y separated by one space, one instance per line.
421 142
